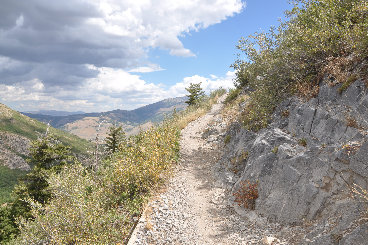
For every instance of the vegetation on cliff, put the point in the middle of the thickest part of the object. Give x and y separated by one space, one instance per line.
320 38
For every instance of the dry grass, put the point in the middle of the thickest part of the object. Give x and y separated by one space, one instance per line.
337 69
351 122
232 110
360 192
191 113
147 216
307 90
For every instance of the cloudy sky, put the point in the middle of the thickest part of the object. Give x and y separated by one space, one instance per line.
99 55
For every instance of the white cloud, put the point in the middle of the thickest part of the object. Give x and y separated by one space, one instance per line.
26 91
44 63
111 81
111 89
208 84
147 69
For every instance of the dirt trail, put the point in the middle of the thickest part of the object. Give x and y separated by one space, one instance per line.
194 208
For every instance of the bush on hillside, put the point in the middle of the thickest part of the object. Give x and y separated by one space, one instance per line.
47 156
320 37
90 207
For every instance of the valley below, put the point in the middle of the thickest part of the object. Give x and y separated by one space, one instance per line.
90 125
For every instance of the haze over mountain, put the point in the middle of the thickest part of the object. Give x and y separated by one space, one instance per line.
87 125
54 112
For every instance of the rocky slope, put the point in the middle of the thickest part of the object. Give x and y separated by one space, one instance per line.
13 151
305 164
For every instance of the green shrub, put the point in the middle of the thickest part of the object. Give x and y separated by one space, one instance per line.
8 179
319 36
233 94
196 94
275 150
99 207
227 139
347 83
302 142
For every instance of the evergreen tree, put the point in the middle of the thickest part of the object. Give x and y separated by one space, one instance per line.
46 154
115 137
8 227
196 93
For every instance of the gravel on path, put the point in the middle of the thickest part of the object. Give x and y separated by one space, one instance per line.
194 208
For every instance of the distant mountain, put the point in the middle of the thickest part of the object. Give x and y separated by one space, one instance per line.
54 113
87 125
18 130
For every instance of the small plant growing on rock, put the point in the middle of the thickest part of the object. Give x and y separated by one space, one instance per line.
360 192
347 83
227 139
247 194
285 113
302 142
351 147
244 156
275 149
351 122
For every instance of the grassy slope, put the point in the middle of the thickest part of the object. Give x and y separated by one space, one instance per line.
15 122
8 179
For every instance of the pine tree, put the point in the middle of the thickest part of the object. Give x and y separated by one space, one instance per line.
46 154
196 93
115 137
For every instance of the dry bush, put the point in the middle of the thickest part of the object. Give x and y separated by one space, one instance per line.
337 69
247 194
360 192
307 90
233 109
351 122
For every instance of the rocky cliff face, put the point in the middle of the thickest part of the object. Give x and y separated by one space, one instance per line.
305 163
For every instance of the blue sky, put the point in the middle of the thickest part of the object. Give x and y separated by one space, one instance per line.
99 55
214 46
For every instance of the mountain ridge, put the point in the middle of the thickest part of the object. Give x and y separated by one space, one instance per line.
139 115
18 130
96 124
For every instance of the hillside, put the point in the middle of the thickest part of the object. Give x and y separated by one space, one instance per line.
18 130
87 125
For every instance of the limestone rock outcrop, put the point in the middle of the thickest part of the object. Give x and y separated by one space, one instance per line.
306 162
